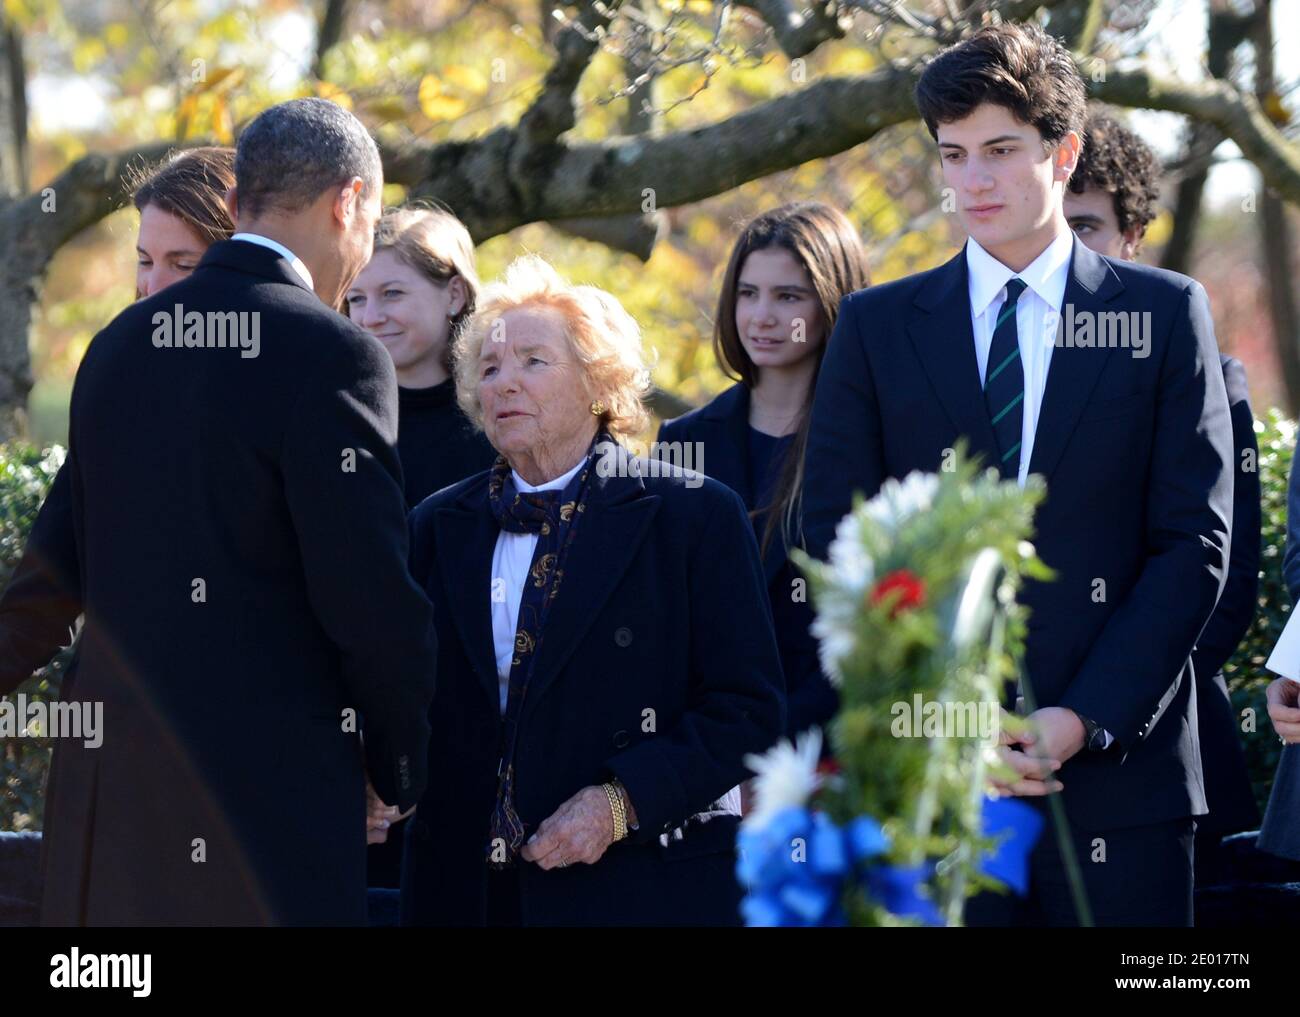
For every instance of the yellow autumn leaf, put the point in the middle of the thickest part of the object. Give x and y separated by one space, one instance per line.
116 35
334 94
223 126
1275 109
443 107
185 114
469 79
87 53
219 75
434 104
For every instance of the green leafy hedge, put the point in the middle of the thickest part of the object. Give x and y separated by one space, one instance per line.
26 474
1247 678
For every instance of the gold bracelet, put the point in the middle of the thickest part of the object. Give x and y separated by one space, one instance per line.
616 810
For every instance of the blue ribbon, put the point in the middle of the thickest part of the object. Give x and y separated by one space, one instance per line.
1017 827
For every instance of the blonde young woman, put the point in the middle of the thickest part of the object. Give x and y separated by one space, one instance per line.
416 292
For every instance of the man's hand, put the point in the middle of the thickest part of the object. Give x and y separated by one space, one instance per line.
1024 772
1060 732
1283 697
379 817
580 830
1027 758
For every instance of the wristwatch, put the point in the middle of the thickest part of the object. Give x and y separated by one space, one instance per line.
1094 737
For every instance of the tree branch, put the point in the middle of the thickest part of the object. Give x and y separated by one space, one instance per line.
621 174
1236 114
90 189
553 113
799 27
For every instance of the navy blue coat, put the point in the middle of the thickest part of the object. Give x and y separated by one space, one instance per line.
1137 455
721 429
1227 781
659 667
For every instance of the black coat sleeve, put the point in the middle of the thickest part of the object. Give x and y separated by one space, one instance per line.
343 485
1236 608
844 452
43 599
1140 653
736 701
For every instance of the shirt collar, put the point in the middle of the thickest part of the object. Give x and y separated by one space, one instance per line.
1046 275
557 484
295 262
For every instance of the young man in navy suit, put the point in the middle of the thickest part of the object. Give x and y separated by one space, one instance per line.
1102 377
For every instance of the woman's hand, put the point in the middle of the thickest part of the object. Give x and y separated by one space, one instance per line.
580 830
379 817
1284 709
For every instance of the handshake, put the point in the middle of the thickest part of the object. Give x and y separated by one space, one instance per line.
380 817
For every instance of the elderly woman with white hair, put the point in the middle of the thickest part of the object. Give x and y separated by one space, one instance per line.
606 657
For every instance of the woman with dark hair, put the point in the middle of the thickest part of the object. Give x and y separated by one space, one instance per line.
183 212
780 294
415 293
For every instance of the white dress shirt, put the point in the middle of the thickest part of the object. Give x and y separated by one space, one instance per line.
511 560
1037 313
295 262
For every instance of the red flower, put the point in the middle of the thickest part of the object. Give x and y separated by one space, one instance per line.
829 767
909 591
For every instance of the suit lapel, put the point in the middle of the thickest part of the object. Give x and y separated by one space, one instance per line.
1074 370
614 523
466 539
944 341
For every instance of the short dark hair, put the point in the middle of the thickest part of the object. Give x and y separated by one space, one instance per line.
192 186
293 151
1116 160
1018 67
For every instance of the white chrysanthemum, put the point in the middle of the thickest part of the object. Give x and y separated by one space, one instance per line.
851 565
834 629
897 501
785 776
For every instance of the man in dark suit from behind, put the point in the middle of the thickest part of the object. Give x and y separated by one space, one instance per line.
1110 200
999 347
235 503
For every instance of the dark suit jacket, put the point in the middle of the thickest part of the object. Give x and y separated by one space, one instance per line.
1279 833
1137 457
658 666
722 430
1227 781
227 790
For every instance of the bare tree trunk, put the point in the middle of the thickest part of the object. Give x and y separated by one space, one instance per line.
331 29
1227 30
15 298
1275 230
13 112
